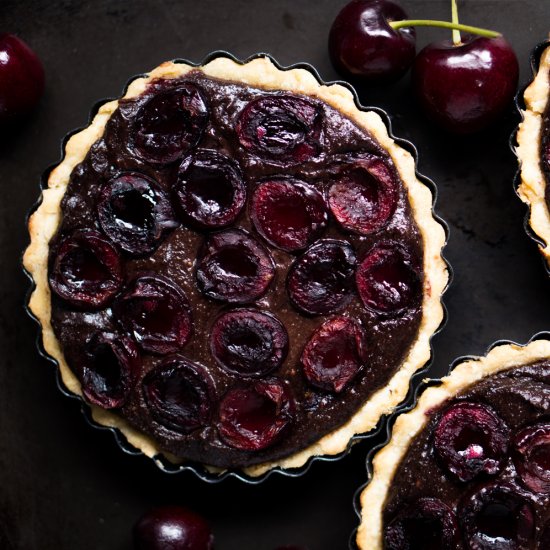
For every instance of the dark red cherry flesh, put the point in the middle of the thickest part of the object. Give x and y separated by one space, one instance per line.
112 362
253 418
248 342
334 354
135 213
281 127
363 195
531 454
210 190
86 270
470 440
426 524
234 267
21 78
363 46
172 528
496 517
288 213
386 280
156 312
321 280
467 87
170 123
179 394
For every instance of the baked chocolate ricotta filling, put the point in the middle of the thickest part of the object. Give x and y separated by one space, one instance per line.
236 271
478 475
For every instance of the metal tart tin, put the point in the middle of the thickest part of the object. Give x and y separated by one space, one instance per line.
405 408
198 469
519 101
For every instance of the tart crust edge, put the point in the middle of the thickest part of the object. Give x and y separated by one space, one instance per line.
532 187
407 426
261 73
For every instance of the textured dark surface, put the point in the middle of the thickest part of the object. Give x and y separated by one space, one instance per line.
64 485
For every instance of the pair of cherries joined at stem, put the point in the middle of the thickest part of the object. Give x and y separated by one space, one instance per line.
463 84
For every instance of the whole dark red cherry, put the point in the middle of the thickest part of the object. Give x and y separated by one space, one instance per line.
21 77
172 528
362 45
465 87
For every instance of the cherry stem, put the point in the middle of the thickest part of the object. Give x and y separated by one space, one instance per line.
457 39
444 25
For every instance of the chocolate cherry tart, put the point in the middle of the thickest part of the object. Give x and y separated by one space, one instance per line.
236 266
533 150
468 468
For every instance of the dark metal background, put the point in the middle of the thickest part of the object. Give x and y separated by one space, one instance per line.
65 486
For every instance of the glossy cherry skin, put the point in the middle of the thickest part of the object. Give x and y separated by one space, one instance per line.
21 77
363 46
172 528
467 87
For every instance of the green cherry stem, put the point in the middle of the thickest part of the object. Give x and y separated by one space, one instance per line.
457 39
444 25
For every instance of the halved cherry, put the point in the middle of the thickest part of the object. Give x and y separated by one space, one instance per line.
425 524
234 267
112 362
135 213
170 123
248 342
497 516
334 354
470 440
86 270
386 279
531 454
321 280
254 417
363 195
179 394
156 312
281 127
288 213
210 190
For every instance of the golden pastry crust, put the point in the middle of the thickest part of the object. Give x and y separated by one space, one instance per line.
260 73
532 188
409 425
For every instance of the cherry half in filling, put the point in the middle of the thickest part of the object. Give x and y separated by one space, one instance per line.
289 214
363 195
135 213
179 394
321 280
156 312
86 271
497 516
471 439
248 342
210 190
234 267
426 524
253 418
386 280
112 361
281 127
531 454
170 123
334 354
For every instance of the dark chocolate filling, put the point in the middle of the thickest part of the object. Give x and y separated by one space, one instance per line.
336 141
520 397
